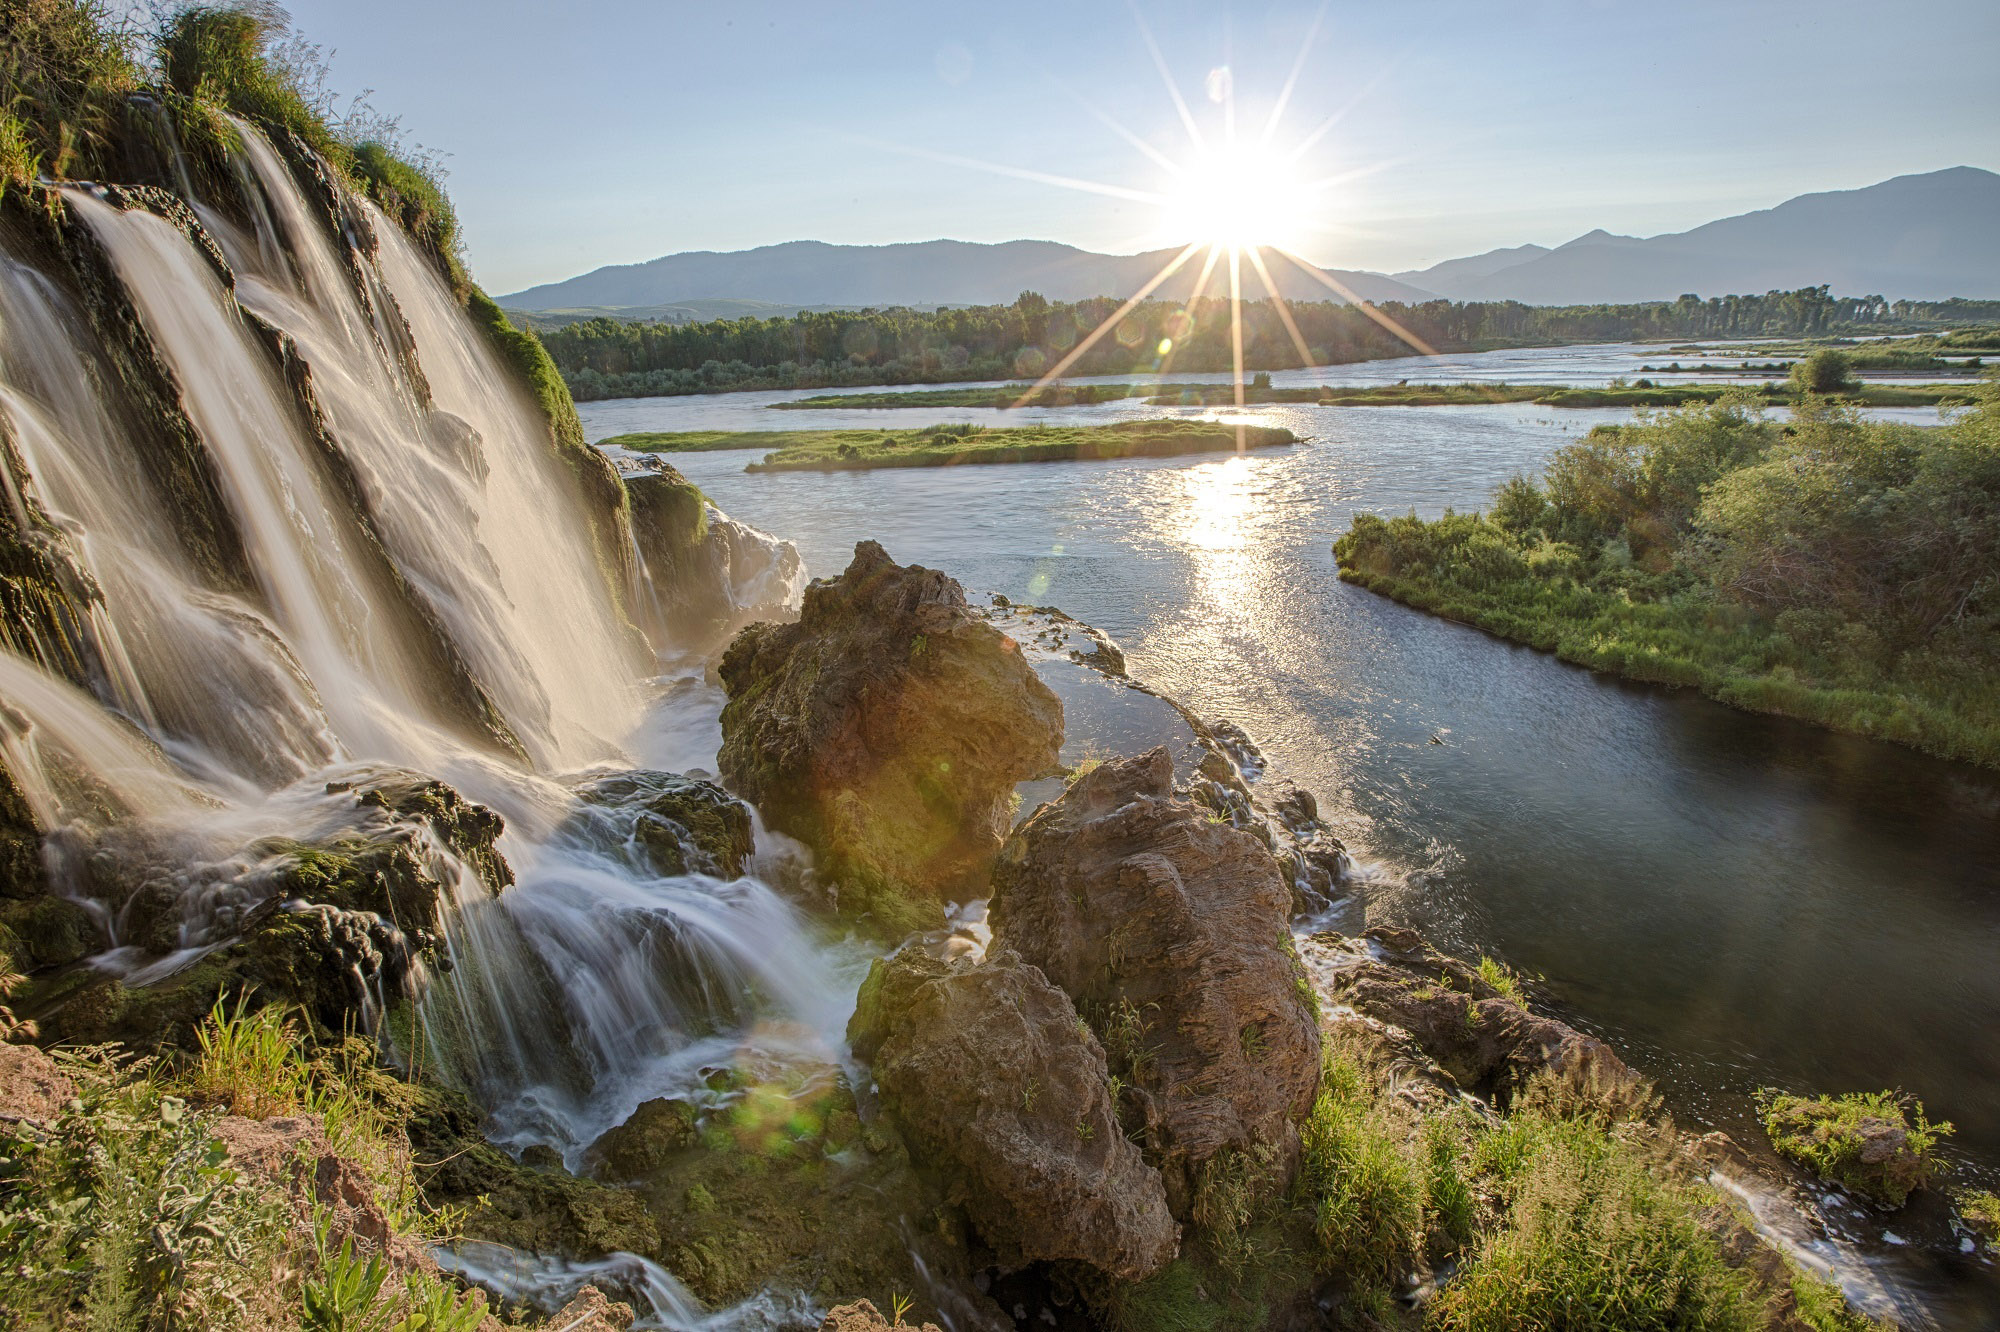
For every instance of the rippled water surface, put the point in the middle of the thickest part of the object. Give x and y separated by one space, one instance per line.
1735 900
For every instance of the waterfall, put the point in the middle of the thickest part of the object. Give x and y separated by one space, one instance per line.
422 593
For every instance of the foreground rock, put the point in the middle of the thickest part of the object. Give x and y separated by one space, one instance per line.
999 1087
886 729
1488 1041
1169 930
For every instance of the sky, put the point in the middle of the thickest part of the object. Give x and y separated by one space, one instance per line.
615 131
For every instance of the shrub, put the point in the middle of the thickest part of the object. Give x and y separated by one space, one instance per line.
1823 371
125 1214
1832 1135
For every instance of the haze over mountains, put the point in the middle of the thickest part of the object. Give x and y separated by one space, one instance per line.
941 272
1926 236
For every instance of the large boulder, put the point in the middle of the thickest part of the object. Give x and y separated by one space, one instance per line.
1485 1038
886 729
1169 929
1000 1088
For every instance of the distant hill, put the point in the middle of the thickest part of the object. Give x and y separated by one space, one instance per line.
1919 237
929 273
1452 272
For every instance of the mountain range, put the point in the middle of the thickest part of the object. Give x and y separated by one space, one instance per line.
940 272
1923 236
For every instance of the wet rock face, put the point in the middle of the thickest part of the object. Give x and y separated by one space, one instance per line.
886 729
1488 1042
327 925
1001 1088
672 824
1169 930
702 575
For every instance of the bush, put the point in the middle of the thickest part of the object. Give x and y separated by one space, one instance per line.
1824 371
124 1214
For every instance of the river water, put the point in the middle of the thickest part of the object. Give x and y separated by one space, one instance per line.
1735 901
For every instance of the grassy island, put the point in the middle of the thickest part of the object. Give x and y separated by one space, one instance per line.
1642 393
1836 570
960 445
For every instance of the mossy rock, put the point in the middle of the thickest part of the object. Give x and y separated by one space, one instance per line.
1875 1144
781 1185
536 1208
677 825
48 931
305 960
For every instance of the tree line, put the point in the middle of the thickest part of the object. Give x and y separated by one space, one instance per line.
608 357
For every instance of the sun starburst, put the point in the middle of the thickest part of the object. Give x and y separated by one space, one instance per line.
1231 199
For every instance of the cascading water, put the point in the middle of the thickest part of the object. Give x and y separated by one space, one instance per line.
416 556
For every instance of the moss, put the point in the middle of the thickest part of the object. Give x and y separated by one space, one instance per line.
507 1202
1878 1144
1979 1209
48 931
780 1186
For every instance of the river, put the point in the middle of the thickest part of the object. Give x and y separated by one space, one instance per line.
1734 901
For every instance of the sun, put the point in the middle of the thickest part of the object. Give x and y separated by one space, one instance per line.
1237 196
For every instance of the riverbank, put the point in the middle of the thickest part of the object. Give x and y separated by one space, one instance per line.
1641 394
956 446
1834 572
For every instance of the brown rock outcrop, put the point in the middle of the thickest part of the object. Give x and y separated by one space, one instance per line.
32 1086
1169 930
999 1086
863 1316
886 729
1488 1042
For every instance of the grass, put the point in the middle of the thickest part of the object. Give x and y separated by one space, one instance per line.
950 446
1496 974
1826 1134
1592 1238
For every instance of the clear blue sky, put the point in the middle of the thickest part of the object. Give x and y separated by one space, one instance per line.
613 131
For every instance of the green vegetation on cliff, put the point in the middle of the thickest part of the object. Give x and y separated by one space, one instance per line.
1836 570
961 445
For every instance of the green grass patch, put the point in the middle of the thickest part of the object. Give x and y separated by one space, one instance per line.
952 446
1593 1237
